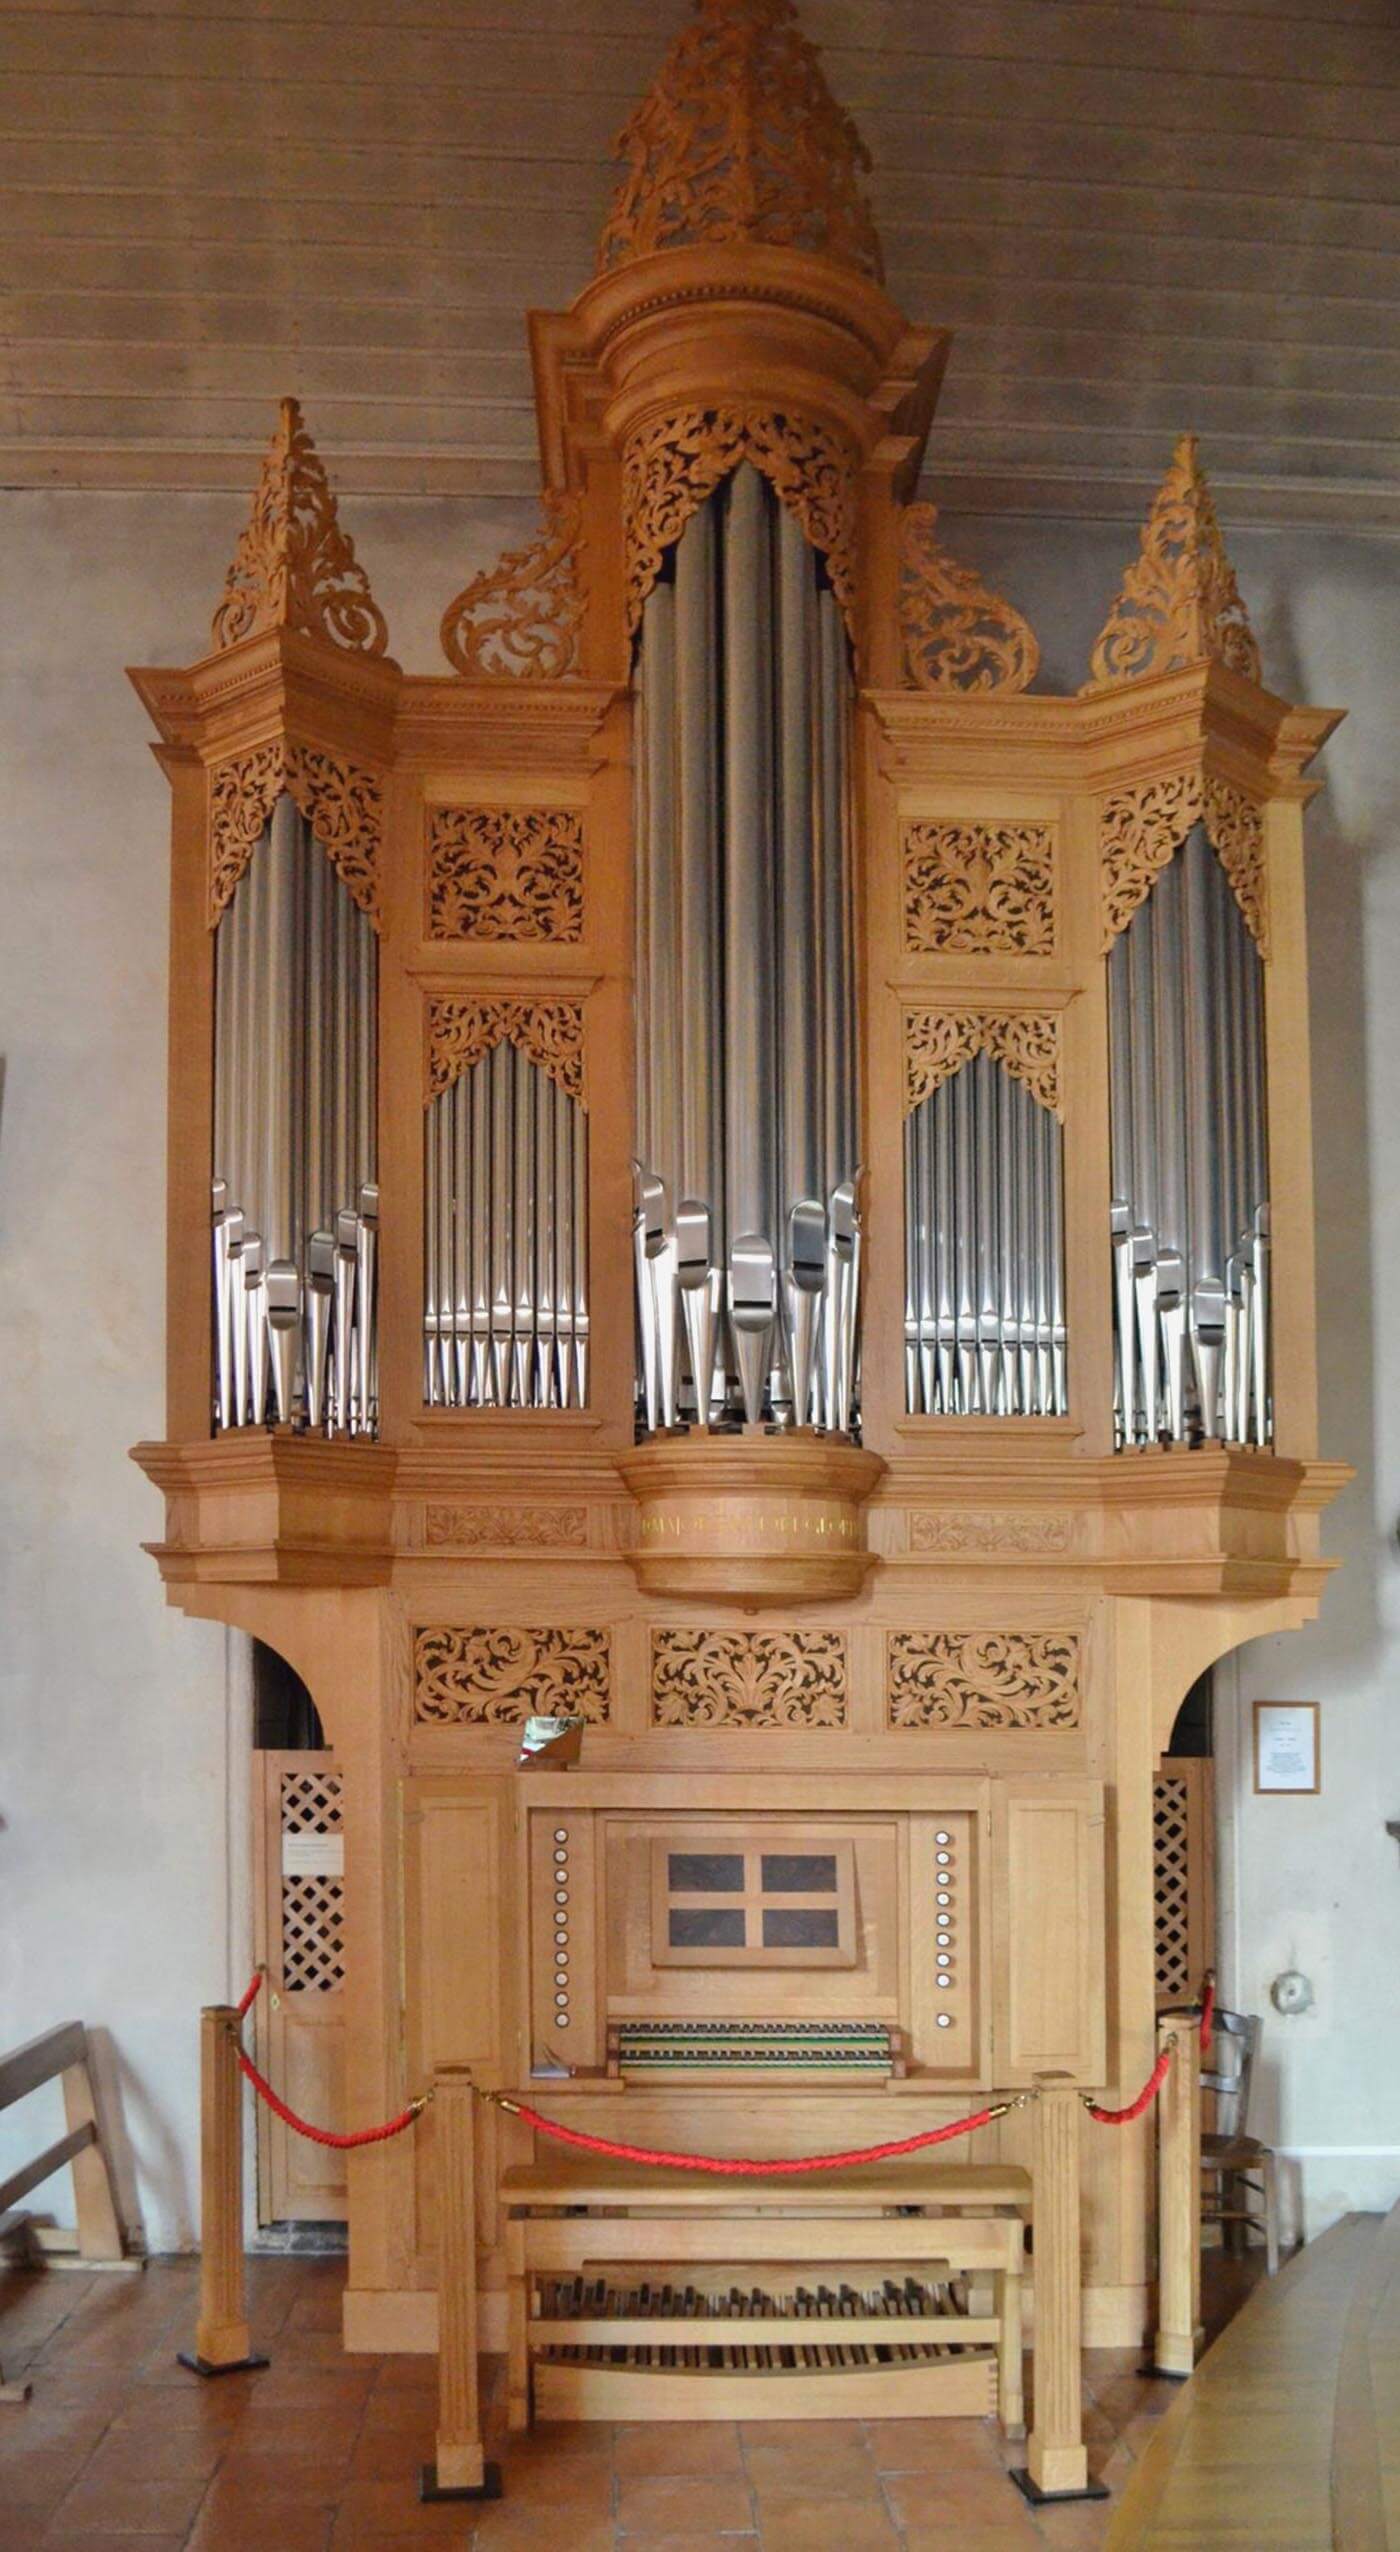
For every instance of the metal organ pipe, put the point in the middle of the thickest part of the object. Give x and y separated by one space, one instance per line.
984 1217
295 1200
1186 1069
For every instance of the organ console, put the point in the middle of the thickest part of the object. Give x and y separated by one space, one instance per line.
740 1178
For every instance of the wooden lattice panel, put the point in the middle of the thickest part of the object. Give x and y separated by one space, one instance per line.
313 1883
1171 1860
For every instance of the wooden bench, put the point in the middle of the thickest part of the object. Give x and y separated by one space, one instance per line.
923 2318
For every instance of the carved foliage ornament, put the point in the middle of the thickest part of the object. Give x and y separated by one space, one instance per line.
1179 601
502 872
748 1679
979 889
496 1678
978 1679
958 635
342 803
505 1528
294 568
674 461
462 1029
943 1529
523 616
739 138
937 1043
1142 827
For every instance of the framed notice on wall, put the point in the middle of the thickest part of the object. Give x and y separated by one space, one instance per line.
1286 1753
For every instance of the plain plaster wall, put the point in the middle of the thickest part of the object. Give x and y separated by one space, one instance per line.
123 1869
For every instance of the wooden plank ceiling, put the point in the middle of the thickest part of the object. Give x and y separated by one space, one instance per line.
1137 217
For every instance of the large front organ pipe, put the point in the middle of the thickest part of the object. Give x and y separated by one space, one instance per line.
752 1106
984 1234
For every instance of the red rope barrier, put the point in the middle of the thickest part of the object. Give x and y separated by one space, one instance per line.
251 1995
1144 2100
324 2135
751 2170
1207 2010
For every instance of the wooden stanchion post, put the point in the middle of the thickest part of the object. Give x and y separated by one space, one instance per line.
221 2344
461 2470
1179 2200
1057 2466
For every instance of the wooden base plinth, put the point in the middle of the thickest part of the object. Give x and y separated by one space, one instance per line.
250 2365
431 2490
1054 2498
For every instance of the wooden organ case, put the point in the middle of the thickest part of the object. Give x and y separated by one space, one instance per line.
762 1204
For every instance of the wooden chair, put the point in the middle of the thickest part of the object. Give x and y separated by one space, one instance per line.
1239 2173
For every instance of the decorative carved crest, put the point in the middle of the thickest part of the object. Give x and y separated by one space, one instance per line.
496 1678
342 803
748 1679
979 1679
979 889
463 1029
1180 601
505 1528
503 872
1141 828
294 568
739 138
522 617
958 635
673 462
937 1043
945 1529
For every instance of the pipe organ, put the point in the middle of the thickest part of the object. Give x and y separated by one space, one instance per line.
762 1206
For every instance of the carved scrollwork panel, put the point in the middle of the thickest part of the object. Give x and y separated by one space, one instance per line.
1235 825
523 617
461 1029
1141 827
495 1678
505 873
505 1528
939 1529
674 461
342 802
981 1679
958 634
1179 600
748 1679
979 889
937 1043
294 568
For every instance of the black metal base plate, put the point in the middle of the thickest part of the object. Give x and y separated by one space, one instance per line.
201 2365
1163 2375
429 2492
1054 2498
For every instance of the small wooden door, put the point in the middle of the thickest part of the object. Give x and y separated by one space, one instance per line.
1183 1839
299 1923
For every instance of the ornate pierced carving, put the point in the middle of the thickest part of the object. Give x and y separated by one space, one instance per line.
505 1528
982 1679
294 568
462 1030
958 635
935 1529
979 888
1141 828
342 803
523 616
937 1043
739 138
1179 601
495 1678
674 461
504 872
748 1679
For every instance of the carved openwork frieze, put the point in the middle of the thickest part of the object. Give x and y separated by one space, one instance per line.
983 1679
937 1043
1179 601
495 1678
505 1528
979 889
461 1029
748 1679
958 634
1142 826
523 617
294 568
941 1529
342 803
739 138
675 460
505 872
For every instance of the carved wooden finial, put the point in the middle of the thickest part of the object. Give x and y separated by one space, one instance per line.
294 568
1180 602
959 635
740 139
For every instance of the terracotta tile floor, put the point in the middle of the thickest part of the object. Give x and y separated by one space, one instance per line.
120 2450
